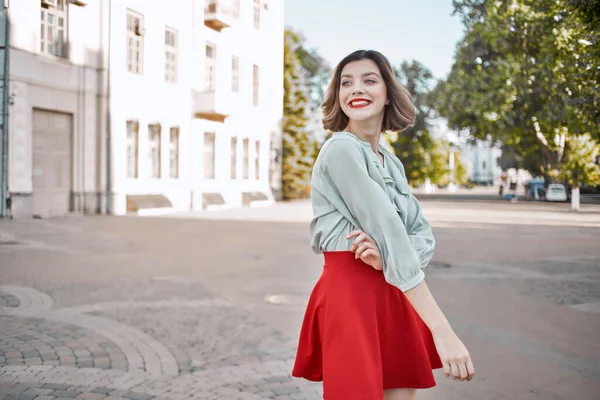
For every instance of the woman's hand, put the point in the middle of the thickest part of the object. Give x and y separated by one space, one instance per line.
454 355
366 249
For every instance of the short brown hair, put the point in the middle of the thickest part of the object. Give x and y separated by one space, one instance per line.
399 114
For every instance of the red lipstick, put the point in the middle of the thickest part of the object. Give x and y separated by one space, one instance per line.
359 103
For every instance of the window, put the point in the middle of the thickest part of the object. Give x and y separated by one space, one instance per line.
211 6
170 55
255 85
154 150
257 14
174 152
235 74
257 160
53 29
230 8
209 155
210 66
135 44
245 165
233 158
132 148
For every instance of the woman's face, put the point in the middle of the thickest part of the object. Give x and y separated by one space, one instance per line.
362 91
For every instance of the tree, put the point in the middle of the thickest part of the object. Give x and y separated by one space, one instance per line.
450 167
579 167
422 156
461 175
316 73
526 74
297 157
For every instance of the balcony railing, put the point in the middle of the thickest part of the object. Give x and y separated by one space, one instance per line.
219 14
215 103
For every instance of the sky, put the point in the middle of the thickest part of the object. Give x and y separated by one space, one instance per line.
422 30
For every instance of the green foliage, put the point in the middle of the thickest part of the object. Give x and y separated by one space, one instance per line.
526 73
579 167
316 72
461 175
420 154
297 158
415 152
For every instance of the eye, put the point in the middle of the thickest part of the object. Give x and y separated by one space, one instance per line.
370 80
345 83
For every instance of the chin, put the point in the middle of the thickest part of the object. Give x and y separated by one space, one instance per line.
360 116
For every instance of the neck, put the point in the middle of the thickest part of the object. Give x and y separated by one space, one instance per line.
366 132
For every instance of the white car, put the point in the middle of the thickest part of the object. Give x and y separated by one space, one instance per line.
556 192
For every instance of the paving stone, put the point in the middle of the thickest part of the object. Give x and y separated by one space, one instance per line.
66 393
56 386
102 390
137 396
91 396
285 391
38 391
54 352
14 391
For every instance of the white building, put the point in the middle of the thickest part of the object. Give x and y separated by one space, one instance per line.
481 161
128 105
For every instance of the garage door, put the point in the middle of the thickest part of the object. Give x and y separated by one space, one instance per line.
51 163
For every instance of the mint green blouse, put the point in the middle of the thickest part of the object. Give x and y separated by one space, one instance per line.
351 189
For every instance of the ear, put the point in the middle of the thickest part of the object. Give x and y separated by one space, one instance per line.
387 101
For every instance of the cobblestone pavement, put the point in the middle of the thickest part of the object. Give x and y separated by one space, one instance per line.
92 351
196 306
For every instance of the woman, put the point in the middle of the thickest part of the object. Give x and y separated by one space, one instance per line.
372 329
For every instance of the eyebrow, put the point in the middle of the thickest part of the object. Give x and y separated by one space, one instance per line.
362 76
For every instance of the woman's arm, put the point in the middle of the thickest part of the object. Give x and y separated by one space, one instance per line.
453 353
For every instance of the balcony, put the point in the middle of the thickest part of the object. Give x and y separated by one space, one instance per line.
219 14
215 104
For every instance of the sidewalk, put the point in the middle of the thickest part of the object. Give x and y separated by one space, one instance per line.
436 210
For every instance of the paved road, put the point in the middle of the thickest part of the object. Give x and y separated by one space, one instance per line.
208 305
489 194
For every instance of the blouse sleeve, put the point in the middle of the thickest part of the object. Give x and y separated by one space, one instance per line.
418 228
344 164
420 232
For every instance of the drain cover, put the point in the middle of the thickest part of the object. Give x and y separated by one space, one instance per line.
286 299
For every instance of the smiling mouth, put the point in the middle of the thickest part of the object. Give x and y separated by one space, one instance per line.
359 103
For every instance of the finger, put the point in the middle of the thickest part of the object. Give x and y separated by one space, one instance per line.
455 370
364 247
470 369
360 247
359 239
446 366
354 233
366 254
463 371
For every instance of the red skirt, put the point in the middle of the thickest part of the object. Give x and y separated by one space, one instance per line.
361 335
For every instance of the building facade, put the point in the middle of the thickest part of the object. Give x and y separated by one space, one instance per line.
481 160
130 105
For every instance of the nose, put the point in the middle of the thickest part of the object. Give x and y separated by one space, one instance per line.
357 89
